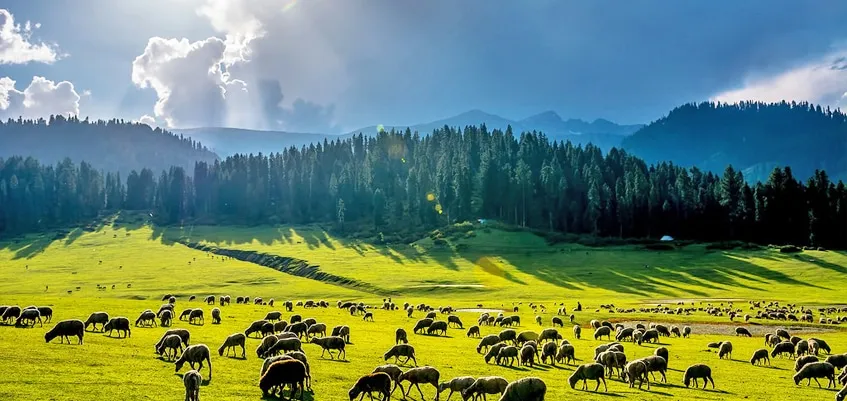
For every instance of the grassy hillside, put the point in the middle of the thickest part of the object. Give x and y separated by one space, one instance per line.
493 268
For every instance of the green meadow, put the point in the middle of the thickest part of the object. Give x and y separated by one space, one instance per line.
498 269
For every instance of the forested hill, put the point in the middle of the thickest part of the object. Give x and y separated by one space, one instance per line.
112 146
754 137
400 183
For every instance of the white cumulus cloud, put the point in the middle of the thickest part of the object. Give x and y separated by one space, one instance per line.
41 98
823 82
147 119
16 46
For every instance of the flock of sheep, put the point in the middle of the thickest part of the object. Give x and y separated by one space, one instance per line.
285 363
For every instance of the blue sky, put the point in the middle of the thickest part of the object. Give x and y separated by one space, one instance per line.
332 66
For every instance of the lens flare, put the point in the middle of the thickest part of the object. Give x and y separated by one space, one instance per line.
430 196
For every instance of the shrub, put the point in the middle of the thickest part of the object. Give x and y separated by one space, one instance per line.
470 234
790 249
439 242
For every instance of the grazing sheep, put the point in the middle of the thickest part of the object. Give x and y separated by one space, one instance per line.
293 355
821 344
801 348
10 312
121 324
725 350
526 389
785 347
265 345
295 319
558 321
760 357
192 381
686 332
494 351
195 315
651 335
839 396
509 335
97 318
565 353
589 371
487 341
191 298
233 341
329 344
435 327
394 372
473 331
147 318
280 326
741 331
168 343
781 333
457 385
675 331
662 330
636 370
549 351
209 300
595 324
839 361
662 352
550 334
283 345
453 319
185 314
400 336
603 331
368 384
31 315
423 374
65 329
404 350
698 371
816 370
342 331
624 334
803 361
196 353
656 363
216 316
538 320
284 372
577 331
422 324
315 329
273 316
183 334
507 354
525 336
485 385
298 328
612 360
165 318
527 355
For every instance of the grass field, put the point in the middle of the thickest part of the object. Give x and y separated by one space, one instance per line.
493 268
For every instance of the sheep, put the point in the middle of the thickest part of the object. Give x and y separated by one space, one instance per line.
331 343
595 324
409 312
422 324
487 341
185 314
298 328
10 312
284 372
741 331
473 331
821 344
686 332
280 326
675 331
121 324
527 355
46 313
549 351
802 347
662 330
589 371
394 372
423 374
550 334
183 334
195 315
525 336
293 355
636 370
656 363
191 298
577 331
65 329
196 353
839 361
803 361
399 350
760 357
192 380
565 353
494 351
662 352
435 327
97 318
781 333
165 318
370 383
453 319
839 396
485 385
295 319
526 389
785 347
651 335
283 345
814 348
624 334
400 336
315 329
170 342
265 345
431 315
273 316
209 300
612 360
457 385
508 353
342 331
602 331
698 371
725 350
145 319
216 316
233 341
32 315
538 320
816 370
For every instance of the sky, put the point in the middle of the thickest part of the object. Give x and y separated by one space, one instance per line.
333 66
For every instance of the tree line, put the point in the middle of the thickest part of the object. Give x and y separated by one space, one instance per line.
398 182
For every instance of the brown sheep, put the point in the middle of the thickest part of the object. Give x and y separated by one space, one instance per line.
526 389
656 363
507 354
285 372
233 341
803 361
456 385
196 314
577 331
636 370
394 372
698 371
170 342
402 350
216 316
331 343
422 324
565 353
195 354
725 350
760 357
423 374
192 381
436 327
283 345
549 334
816 370
315 329
485 385
400 336
839 361
453 319
183 334
342 331
121 324
527 355
785 347
368 384
590 371
255 327
741 331
65 329
549 351
494 351
97 318
473 331
487 341
145 319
